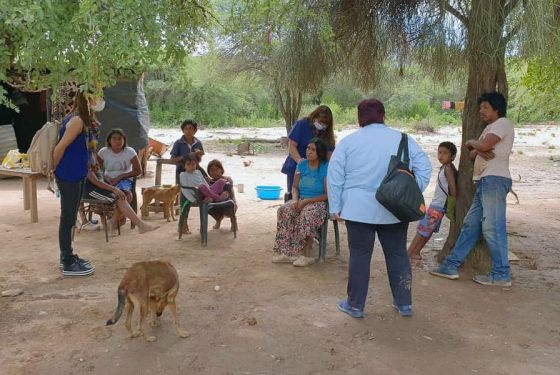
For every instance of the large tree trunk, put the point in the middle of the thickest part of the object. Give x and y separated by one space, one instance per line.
486 72
289 103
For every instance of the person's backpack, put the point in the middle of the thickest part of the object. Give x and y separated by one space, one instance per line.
40 153
399 192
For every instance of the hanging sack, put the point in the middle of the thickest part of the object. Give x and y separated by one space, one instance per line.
399 193
449 203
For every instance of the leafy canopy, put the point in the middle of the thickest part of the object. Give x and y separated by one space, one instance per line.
44 43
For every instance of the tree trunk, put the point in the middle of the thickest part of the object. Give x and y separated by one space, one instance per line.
486 72
289 103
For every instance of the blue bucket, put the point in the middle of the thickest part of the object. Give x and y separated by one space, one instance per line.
268 192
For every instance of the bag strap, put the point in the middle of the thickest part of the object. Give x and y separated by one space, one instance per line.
440 184
402 153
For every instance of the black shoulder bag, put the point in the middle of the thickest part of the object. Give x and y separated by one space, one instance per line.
399 193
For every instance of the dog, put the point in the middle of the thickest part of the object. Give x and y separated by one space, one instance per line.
165 195
147 287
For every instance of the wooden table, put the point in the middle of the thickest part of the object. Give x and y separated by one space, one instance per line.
159 163
29 180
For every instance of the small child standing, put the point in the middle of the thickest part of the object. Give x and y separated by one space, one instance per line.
446 186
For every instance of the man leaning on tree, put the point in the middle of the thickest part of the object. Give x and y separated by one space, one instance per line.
487 214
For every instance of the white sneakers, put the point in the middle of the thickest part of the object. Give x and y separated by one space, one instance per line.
282 258
300 261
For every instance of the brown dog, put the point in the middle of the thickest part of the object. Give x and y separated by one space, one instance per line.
147 287
165 195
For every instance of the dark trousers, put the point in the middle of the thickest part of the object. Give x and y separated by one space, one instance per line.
70 197
361 238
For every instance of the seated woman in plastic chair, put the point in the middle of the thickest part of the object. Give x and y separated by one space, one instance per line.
300 218
216 172
97 188
193 178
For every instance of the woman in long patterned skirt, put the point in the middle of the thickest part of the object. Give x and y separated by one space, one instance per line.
300 218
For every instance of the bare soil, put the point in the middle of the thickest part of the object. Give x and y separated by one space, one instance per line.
278 319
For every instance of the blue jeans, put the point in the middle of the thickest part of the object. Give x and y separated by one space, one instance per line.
486 216
361 238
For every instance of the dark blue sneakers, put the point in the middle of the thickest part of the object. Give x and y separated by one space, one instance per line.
352 311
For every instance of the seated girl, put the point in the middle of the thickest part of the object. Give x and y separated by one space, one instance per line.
216 172
119 162
300 218
193 178
96 188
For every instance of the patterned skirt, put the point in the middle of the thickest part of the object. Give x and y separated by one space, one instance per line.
294 228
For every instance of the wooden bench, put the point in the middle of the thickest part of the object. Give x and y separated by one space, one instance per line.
29 181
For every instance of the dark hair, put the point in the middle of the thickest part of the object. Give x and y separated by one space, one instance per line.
329 132
81 107
321 148
191 156
215 164
496 100
371 111
450 146
189 122
116 131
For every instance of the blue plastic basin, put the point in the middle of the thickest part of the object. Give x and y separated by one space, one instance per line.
268 192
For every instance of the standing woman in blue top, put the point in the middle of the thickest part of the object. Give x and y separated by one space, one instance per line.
301 217
78 136
319 124
356 169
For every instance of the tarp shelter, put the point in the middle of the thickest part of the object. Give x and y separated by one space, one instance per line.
125 108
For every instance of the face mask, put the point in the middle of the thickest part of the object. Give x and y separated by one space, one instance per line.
99 106
320 126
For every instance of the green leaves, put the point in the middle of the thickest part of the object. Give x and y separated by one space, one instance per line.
94 41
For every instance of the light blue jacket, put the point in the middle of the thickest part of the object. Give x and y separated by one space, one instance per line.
359 164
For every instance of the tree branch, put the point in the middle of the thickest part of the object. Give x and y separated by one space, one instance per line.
514 30
509 7
455 12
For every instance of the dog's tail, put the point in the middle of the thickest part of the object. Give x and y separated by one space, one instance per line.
120 306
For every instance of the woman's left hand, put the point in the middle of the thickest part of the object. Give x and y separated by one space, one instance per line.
300 204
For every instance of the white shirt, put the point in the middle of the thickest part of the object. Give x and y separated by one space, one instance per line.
440 195
499 166
188 179
116 164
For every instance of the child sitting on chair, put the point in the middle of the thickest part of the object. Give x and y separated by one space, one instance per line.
193 178
216 172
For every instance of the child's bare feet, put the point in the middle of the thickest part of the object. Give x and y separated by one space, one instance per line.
186 230
415 256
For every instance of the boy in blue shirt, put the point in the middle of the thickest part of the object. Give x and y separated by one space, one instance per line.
186 145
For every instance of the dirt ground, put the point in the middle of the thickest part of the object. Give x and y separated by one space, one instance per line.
278 319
